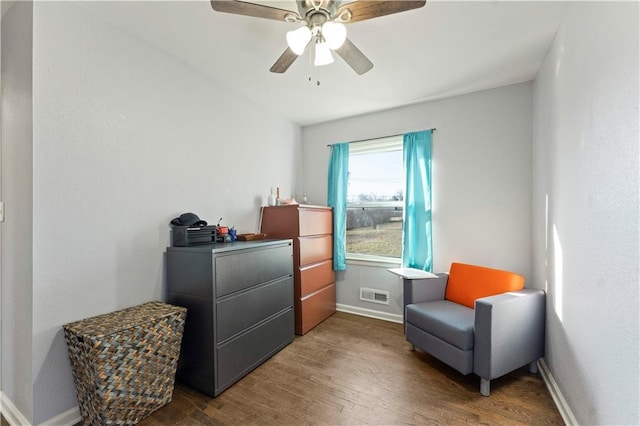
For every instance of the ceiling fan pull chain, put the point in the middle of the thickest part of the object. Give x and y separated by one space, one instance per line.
310 64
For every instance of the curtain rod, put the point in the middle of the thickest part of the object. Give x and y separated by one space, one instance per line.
433 129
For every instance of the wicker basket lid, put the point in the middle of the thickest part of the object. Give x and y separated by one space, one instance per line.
124 319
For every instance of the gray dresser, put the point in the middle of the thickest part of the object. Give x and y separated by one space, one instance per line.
239 300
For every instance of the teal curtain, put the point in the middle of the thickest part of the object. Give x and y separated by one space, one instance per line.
337 198
417 248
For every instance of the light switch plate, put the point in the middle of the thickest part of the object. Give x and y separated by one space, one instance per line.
1 211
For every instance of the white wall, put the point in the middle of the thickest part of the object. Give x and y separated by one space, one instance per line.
481 181
16 181
585 209
125 139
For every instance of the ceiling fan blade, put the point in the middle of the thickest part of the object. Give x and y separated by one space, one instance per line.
250 9
365 9
284 61
354 57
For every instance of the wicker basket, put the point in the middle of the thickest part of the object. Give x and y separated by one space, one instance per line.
124 363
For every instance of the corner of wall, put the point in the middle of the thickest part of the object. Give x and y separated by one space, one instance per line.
11 412
556 394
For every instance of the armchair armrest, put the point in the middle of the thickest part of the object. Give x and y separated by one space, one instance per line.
424 290
509 332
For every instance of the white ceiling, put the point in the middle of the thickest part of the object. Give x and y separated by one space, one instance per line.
443 49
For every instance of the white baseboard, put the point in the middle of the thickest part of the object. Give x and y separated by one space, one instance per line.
369 313
11 412
564 409
16 418
68 418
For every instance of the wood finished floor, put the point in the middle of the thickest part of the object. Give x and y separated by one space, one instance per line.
355 370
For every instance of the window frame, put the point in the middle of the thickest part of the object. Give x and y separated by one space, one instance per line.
376 145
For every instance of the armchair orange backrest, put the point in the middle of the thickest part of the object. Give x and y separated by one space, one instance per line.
467 283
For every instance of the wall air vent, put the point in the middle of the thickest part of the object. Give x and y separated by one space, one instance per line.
374 296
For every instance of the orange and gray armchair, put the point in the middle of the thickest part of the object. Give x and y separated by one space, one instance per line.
477 320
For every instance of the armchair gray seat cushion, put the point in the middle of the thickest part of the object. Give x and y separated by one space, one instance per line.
445 320
502 332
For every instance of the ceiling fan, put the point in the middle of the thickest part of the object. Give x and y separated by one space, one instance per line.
322 23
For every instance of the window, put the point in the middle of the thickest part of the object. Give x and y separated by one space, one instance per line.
375 197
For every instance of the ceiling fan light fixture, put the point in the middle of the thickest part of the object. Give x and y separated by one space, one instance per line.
335 33
313 14
298 39
323 55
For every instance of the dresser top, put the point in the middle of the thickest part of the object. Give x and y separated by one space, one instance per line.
236 245
298 206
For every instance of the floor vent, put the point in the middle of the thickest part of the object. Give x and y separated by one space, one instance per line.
374 296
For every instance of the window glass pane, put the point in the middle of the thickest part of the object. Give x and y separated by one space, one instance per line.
374 231
374 199
375 177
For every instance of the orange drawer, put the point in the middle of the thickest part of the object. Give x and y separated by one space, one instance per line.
315 308
316 276
315 249
315 222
